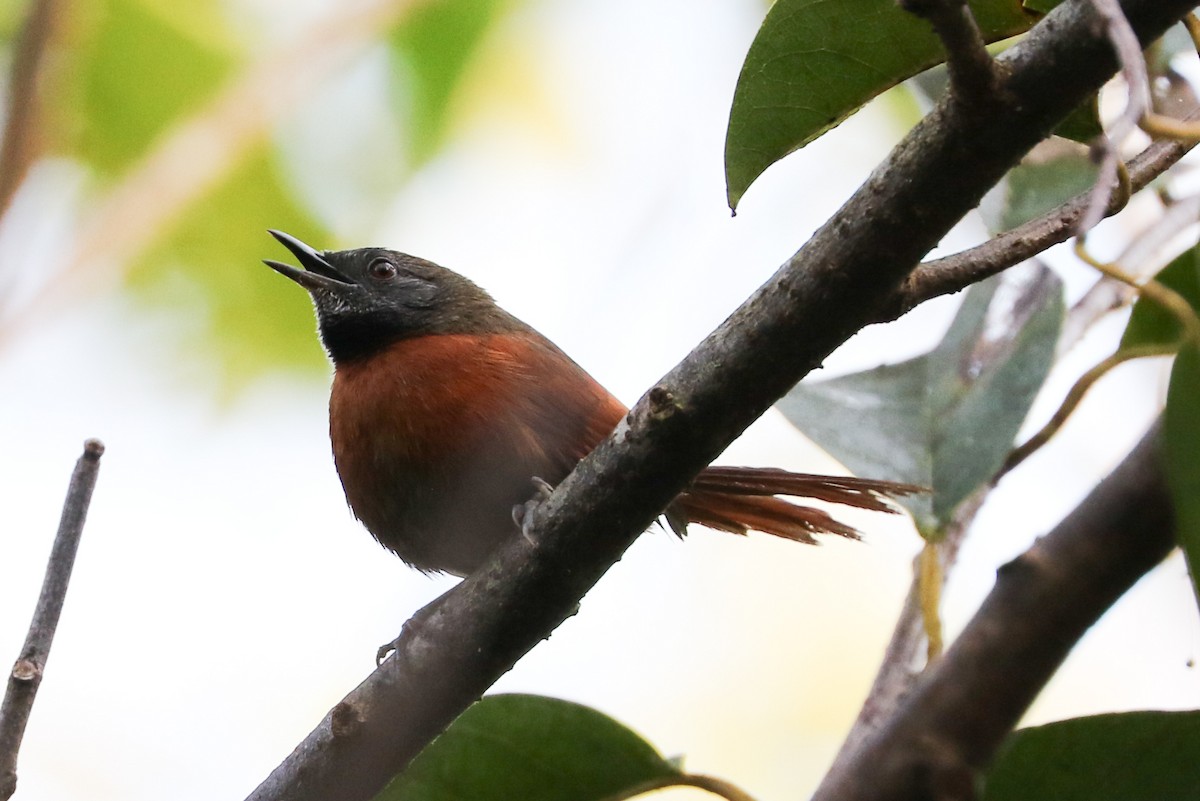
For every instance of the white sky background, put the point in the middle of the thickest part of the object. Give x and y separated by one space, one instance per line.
224 598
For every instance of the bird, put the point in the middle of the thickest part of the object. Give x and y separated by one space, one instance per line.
444 408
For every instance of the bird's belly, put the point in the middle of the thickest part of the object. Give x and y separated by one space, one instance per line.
445 513
431 472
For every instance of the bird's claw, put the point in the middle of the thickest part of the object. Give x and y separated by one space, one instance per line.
410 628
522 513
387 649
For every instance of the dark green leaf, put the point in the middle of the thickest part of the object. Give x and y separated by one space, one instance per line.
135 70
1037 186
435 44
1181 422
1150 323
1082 124
813 63
946 420
1132 756
529 748
246 315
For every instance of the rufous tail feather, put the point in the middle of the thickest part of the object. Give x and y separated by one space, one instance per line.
742 499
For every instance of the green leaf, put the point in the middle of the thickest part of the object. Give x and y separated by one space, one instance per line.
1150 323
813 63
435 44
1037 186
133 72
1131 756
947 419
12 17
208 272
1082 124
529 748
1181 431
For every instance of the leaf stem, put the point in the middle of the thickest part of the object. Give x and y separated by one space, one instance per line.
1074 397
711 784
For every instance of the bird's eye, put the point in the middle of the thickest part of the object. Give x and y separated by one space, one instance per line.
382 269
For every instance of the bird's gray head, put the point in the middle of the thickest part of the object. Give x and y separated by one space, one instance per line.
368 298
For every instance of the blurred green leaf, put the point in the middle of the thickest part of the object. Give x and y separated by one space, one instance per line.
1131 756
947 419
1181 434
1037 186
813 63
242 313
435 44
12 17
529 748
1083 124
1150 323
132 72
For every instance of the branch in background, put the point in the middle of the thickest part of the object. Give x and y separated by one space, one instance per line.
832 287
949 728
26 675
902 662
973 76
904 659
197 153
19 143
953 273
1106 148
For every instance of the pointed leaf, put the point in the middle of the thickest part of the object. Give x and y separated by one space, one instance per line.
814 63
1181 433
1121 757
1083 124
947 419
530 748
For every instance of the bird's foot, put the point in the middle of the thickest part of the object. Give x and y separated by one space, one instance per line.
522 513
410 628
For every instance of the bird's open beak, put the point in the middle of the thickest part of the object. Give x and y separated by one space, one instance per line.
317 273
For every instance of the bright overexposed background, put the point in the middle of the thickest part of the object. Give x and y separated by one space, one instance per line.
224 598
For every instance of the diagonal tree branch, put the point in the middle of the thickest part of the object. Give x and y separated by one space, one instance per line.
832 287
26 675
948 730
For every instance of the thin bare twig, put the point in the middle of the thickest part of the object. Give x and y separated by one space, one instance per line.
1106 149
951 274
26 675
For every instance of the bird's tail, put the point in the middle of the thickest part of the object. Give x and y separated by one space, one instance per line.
742 499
